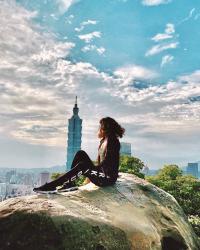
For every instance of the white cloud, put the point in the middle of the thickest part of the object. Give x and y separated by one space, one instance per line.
194 77
160 37
169 33
169 30
90 47
188 17
156 49
85 23
197 16
175 99
89 22
54 17
64 5
166 59
131 72
155 2
101 50
48 53
32 82
69 19
90 36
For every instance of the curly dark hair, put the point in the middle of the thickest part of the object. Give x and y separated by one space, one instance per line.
111 127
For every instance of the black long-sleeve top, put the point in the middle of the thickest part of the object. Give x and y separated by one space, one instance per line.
110 163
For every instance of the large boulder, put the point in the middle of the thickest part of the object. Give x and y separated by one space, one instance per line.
132 214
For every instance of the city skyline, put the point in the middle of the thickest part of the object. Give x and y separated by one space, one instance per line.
120 61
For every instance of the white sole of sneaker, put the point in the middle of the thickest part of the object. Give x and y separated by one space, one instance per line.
47 192
68 189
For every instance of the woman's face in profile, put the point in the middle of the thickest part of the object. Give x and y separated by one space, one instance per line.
100 133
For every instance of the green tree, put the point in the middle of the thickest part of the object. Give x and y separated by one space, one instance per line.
131 165
184 188
188 194
170 172
195 222
56 175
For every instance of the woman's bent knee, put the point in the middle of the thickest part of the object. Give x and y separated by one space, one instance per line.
81 152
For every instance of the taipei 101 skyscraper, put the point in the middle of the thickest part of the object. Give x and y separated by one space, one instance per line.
74 135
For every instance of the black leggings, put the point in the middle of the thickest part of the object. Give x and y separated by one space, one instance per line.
82 165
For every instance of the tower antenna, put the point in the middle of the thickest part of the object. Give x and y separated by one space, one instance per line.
76 100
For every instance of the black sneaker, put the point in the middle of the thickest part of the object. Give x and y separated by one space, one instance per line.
45 189
66 187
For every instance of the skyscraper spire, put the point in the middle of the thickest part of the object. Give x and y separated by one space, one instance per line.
75 109
76 100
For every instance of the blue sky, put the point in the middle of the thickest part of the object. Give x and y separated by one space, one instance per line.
126 30
136 61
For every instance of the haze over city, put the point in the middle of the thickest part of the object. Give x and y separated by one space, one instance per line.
135 61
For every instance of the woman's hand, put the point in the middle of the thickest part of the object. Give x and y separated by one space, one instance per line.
86 181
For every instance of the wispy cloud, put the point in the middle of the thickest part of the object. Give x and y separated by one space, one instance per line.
190 15
156 49
68 19
129 73
169 28
169 31
90 47
160 37
64 5
163 45
155 2
171 100
85 23
90 36
166 59
196 16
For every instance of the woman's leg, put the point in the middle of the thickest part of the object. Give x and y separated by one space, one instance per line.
81 165
77 158
81 155
95 174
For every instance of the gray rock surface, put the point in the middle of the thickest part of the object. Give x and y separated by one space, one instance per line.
132 214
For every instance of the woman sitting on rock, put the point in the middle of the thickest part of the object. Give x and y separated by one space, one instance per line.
105 172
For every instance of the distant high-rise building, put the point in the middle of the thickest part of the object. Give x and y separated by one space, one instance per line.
145 170
192 169
27 180
74 135
125 148
2 191
9 174
44 177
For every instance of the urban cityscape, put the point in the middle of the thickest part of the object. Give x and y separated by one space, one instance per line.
19 182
